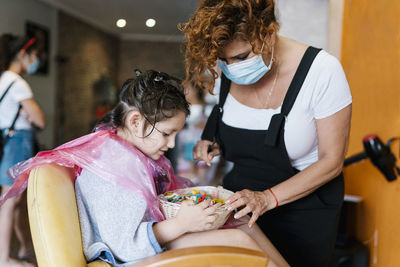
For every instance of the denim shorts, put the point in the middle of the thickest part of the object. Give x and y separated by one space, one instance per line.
19 147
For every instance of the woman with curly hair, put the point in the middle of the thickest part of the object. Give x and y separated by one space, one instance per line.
283 119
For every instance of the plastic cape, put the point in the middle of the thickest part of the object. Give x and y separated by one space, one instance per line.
108 156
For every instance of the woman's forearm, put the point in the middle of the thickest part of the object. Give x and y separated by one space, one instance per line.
168 230
307 181
35 113
333 135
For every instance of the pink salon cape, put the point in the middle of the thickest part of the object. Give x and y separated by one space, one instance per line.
107 155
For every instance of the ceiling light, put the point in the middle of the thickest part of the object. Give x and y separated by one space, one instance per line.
121 23
150 23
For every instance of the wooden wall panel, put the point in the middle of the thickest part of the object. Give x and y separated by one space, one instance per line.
371 59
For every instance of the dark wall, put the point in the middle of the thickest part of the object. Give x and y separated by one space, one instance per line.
85 54
160 56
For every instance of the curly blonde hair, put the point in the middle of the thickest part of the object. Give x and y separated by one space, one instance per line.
218 22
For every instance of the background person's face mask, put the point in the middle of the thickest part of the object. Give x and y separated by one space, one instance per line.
248 71
33 67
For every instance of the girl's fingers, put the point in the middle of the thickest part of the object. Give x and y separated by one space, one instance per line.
211 218
205 204
216 206
209 225
212 209
188 202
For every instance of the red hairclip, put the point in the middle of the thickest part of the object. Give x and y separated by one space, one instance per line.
28 44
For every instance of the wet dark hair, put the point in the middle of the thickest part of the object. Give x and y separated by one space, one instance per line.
10 45
156 95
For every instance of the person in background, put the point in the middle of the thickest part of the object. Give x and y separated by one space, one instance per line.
283 119
19 112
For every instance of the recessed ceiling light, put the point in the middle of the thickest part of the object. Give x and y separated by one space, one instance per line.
150 23
121 23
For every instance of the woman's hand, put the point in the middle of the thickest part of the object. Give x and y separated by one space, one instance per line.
256 202
197 218
202 152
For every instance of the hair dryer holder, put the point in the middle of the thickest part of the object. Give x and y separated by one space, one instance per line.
380 155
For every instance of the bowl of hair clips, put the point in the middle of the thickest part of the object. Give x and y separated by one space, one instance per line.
171 201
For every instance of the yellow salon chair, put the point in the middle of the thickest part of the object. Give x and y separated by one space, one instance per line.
56 234
53 218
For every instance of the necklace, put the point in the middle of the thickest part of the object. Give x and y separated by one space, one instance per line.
270 91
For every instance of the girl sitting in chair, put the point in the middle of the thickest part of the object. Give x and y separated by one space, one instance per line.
120 170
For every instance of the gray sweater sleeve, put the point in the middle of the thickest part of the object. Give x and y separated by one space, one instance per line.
113 219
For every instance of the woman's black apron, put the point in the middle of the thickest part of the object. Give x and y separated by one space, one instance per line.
303 231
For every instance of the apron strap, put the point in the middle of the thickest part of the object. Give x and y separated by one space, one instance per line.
211 128
224 90
278 120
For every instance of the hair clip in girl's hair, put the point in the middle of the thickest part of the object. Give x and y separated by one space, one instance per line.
158 77
138 72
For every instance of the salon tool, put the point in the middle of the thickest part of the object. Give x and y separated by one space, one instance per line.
379 154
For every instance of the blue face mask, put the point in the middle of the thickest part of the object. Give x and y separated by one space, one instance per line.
248 71
32 68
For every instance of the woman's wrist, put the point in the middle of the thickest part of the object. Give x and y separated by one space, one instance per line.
271 199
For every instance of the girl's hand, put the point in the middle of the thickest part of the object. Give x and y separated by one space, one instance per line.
256 202
205 150
197 218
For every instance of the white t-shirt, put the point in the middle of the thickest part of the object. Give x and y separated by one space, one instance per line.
9 105
324 92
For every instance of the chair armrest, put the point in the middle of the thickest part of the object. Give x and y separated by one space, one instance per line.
206 256
99 264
